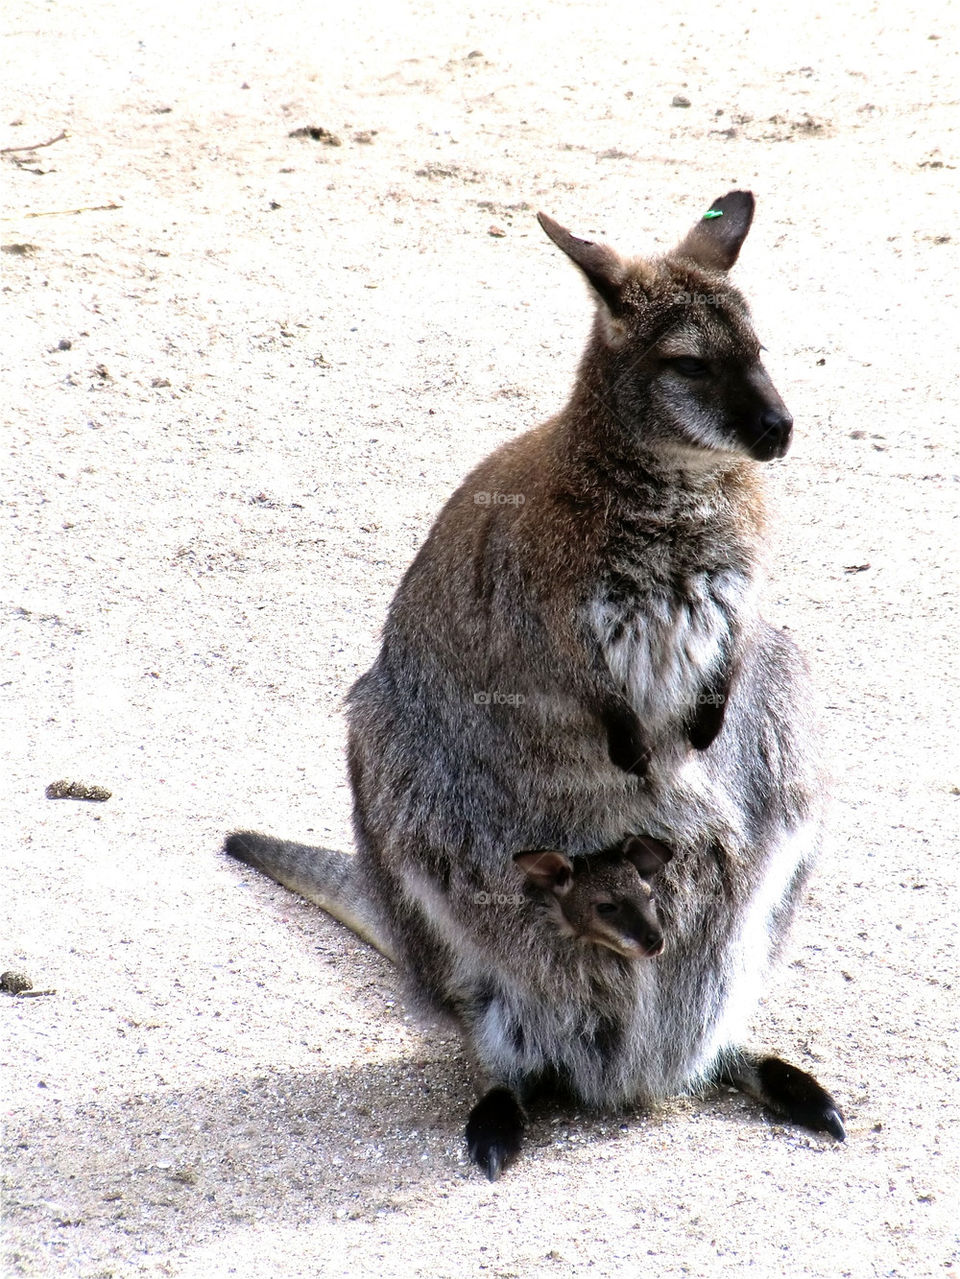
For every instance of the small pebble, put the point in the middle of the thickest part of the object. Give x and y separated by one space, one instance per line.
317 133
15 982
680 101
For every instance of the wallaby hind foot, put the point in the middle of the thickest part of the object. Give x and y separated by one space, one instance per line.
495 1131
786 1090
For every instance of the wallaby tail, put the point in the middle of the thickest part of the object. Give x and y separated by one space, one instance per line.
327 878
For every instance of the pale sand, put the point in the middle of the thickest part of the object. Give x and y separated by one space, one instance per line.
199 547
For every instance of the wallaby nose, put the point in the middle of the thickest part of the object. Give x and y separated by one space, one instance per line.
776 428
653 943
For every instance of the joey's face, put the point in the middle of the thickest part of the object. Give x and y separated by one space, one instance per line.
626 924
605 898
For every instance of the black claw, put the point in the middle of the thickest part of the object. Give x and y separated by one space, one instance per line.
494 1163
629 758
495 1131
706 719
833 1124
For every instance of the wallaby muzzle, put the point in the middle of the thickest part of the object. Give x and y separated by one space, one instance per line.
764 425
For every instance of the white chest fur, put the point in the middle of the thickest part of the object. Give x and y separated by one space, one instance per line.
662 644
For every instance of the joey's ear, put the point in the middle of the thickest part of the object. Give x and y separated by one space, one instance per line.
715 241
603 266
546 869
648 854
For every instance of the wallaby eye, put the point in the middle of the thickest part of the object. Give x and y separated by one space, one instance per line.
606 908
689 366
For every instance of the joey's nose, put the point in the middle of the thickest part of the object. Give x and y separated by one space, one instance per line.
650 943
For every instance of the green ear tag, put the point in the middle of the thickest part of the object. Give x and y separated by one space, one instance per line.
712 213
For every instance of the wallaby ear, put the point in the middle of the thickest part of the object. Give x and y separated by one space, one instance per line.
649 855
715 241
546 869
603 266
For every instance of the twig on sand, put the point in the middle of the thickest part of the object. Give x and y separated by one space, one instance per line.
55 213
37 145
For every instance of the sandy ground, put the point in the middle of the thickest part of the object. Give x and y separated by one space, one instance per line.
235 399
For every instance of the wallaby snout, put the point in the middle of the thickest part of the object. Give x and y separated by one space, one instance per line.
651 945
635 932
765 428
776 432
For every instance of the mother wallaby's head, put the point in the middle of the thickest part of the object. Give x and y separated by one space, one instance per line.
674 363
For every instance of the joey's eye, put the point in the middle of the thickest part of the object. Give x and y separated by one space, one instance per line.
689 366
606 908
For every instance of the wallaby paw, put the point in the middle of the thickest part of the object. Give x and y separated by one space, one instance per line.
702 730
627 746
627 749
495 1131
798 1097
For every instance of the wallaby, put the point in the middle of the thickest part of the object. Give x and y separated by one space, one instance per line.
588 661
603 899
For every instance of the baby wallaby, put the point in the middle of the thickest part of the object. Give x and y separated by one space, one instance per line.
606 898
